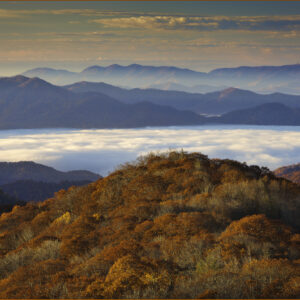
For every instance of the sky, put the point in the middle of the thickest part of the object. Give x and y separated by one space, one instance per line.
102 150
200 35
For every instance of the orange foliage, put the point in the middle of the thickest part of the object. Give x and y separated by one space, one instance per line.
259 227
173 225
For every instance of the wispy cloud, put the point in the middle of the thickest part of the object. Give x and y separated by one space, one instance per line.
281 23
18 13
103 150
165 21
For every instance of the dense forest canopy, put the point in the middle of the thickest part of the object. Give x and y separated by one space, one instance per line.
173 225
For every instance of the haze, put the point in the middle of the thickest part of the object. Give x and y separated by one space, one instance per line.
198 35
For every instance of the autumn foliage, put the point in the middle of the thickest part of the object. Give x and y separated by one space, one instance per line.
173 225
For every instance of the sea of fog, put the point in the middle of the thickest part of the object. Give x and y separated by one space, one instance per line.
102 150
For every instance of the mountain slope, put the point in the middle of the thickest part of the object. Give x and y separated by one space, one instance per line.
291 172
30 190
34 103
28 170
171 226
173 86
28 181
7 202
266 114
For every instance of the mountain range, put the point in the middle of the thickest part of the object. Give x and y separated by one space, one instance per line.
35 103
262 79
210 103
114 74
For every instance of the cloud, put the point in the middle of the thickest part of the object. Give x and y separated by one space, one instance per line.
74 22
5 13
165 21
250 23
19 13
103 150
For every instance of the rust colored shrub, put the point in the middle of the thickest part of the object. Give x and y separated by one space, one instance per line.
78 237
268 277
161 227
132 276
260 227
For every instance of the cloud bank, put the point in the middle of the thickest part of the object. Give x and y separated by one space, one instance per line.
103 150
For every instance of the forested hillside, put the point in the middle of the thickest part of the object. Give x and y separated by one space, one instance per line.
174 225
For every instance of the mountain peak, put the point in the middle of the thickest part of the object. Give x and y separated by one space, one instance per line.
19 78
115 66
227 91
92 68
35 82
135 65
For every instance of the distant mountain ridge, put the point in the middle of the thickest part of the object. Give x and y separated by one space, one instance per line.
253 70
34 191
27 181
266 79
29 170
35 103
210 103
265 114
114 73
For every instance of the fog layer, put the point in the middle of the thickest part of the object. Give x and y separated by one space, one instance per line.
102 151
